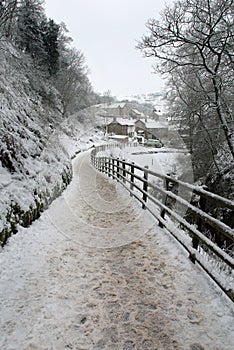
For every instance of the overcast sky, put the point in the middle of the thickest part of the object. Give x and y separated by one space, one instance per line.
106 31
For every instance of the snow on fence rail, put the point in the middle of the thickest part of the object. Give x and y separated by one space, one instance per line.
165 204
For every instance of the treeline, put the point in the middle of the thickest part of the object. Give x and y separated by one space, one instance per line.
25 24
193 45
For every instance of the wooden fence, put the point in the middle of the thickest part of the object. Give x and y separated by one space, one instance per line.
165 202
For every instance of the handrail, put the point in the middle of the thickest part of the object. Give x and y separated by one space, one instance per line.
195 189
136 180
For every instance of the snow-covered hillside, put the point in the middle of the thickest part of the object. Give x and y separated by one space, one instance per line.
156 99
34 160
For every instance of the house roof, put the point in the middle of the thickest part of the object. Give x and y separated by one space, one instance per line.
107 106
151 124
114 105
118 137
137 112
123 121
156 125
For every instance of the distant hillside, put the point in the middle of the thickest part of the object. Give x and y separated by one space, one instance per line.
155 99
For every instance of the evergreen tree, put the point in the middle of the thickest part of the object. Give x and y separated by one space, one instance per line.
50 40
30 36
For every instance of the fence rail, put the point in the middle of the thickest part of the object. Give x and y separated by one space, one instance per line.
166 202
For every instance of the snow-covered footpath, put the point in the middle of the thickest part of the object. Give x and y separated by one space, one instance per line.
95 272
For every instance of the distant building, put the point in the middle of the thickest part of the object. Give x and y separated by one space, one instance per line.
117 110
135 114
121 127
118 138
152 129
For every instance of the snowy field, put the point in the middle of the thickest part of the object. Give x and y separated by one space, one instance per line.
96 273
162 160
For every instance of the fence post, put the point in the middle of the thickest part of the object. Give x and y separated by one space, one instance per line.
117 168
124 170
109 167
113 168
145 186
164 201
100 164
104 165
198 222
132 177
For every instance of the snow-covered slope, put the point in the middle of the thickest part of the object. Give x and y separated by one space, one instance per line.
34 160
156 99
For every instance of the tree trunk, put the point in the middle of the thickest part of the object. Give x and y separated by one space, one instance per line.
222 118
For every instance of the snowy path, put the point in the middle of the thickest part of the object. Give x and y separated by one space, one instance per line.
94 273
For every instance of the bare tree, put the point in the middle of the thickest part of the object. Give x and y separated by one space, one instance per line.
198 34
71 76
192 113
